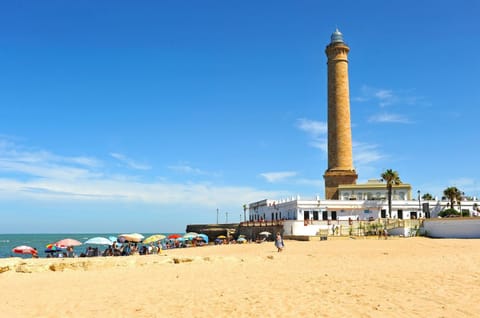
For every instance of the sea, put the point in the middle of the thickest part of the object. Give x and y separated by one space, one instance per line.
40 241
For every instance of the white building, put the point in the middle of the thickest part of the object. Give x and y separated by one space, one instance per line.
307 216
374 189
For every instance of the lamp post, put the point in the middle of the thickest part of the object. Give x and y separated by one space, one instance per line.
217 215
460 203
419 203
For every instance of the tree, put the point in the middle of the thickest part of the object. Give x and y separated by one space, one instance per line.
452 194
391 178
427 197
244 212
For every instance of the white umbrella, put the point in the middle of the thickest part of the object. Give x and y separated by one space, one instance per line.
265 233
190 235
132 237
98 241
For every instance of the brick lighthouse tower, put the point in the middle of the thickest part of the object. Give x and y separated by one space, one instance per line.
340 164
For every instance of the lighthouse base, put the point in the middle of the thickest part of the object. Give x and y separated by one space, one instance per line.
334 178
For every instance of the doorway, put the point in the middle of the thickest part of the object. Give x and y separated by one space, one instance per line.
400 214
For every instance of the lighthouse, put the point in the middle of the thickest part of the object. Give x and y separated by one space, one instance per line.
340 164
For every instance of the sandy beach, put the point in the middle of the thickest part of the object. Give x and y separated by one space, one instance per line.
414 277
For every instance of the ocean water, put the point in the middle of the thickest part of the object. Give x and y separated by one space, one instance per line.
40 241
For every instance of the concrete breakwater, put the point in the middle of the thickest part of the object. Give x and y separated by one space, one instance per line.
250 230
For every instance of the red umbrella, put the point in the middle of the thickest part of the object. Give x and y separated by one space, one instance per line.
24 249
68 242
174 236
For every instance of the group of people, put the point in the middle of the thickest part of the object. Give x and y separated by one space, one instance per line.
128 248
131 248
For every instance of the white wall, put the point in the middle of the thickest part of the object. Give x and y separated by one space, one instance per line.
452 228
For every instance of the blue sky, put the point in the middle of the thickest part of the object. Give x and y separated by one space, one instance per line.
121 116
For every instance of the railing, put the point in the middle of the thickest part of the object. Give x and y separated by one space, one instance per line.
368 228
262 223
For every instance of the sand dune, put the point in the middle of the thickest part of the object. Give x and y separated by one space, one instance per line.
413 277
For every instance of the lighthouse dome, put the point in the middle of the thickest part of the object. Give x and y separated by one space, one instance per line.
337 37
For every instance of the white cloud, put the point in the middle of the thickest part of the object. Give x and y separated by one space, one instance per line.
317 131
314 128
203 194
383 97
40 175
389 118
187 169
321 144
365 154
274 177
387 97
43 164
130 162
384 94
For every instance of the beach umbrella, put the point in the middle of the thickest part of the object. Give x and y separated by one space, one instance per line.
221 237
174 236
190 235
154 238
203 237
52 248
132 237
98 241
24 249
68 242
241 240
265 233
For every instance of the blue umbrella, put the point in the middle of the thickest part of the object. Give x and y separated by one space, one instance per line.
203 237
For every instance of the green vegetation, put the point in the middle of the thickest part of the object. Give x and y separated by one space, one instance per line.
391 178
452 194
427 197
448 213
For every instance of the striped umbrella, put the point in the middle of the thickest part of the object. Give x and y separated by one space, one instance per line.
24 249
52 248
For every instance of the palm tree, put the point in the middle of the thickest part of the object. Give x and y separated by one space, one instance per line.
391 178
427 197
452 194
244 213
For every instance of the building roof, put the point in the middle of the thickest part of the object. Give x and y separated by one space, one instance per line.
372 184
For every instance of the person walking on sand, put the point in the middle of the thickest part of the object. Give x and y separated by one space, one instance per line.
279 242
